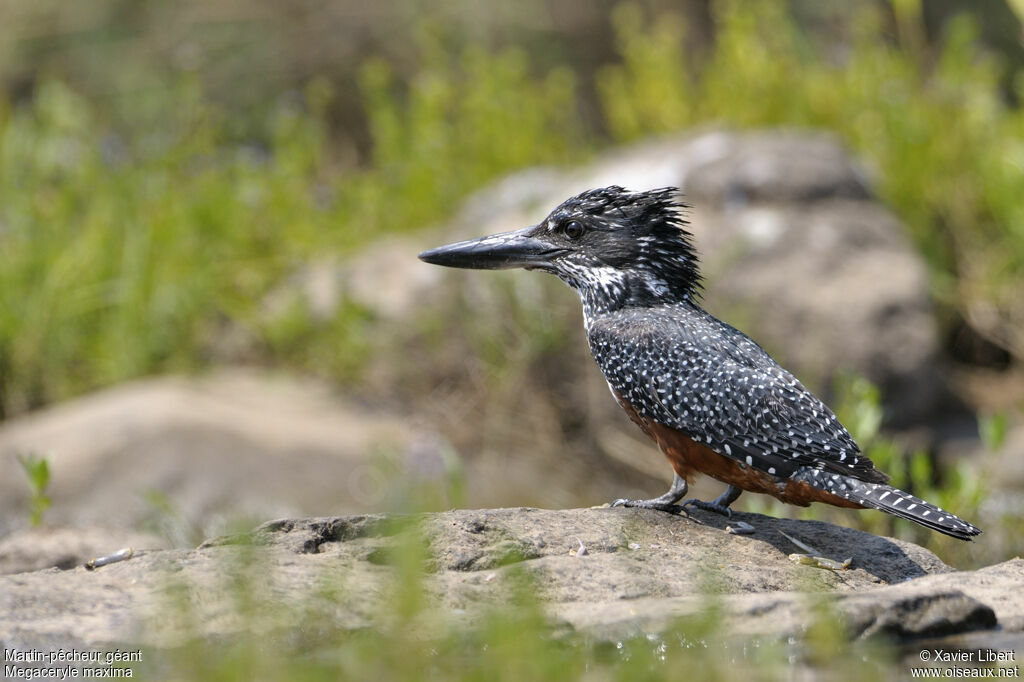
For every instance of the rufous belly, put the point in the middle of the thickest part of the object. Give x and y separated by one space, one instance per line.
688 457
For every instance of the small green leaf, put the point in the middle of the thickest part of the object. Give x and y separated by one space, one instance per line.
37 471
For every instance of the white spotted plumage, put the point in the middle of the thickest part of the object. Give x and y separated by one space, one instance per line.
742 403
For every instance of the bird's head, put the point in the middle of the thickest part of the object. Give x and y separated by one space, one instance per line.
615 247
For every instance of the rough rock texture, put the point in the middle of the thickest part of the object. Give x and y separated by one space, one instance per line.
640 571
64 548
178 453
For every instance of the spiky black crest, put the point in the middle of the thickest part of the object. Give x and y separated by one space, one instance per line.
635 249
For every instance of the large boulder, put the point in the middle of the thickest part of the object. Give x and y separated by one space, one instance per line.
607 573
187 456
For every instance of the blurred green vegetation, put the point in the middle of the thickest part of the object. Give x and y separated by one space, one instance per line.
505 635
946 146
129 250
37 475
126 256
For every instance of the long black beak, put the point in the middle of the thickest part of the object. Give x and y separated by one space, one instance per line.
518 249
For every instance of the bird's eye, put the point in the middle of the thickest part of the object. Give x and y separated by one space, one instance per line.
573 229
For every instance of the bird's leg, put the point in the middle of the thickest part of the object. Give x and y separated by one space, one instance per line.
666 502
719 505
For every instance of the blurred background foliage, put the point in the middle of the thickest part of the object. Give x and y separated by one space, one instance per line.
164 166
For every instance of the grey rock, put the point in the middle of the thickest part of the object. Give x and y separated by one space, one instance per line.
64 548
919 614
779 167
192 456
830 287
641 571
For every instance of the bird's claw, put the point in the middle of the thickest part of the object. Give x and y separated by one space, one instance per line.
669 507
709 506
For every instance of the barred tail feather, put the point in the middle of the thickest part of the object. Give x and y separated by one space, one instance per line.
892 501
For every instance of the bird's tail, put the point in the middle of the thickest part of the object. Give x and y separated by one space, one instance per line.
892 501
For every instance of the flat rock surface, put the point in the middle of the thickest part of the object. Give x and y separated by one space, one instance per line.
35 549
604 572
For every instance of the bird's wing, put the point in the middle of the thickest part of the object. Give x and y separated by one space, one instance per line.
711 382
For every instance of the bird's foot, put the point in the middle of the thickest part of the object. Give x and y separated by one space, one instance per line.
719 505
713 506
665 503
656 503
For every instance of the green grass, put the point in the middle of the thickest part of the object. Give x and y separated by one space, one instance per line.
124 257
505 644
